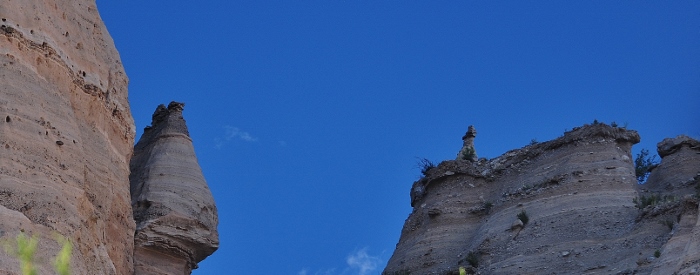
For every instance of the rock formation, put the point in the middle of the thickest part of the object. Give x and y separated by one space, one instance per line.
174 210
66 140
66 136
566 206
468 152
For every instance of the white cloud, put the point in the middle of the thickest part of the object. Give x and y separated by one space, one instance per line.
231 133
235 133
359 263
362 262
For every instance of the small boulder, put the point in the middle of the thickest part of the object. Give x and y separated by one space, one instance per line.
517 224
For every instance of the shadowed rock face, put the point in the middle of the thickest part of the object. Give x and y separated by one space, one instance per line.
175 214
577 192
66 136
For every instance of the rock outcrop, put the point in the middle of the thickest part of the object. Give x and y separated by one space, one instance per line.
571 205
66 136
66 143
175 214
468 152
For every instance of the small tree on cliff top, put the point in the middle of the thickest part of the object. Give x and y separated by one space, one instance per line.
643 164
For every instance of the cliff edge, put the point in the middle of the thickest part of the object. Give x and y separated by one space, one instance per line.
571 205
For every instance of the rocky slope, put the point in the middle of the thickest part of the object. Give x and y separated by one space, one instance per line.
578 193
175 214
66 135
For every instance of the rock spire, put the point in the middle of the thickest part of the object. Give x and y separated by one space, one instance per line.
176 218
468 152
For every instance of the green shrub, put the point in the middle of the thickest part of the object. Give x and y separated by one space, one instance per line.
62 261
469 154
643 164
523 217
657 253
425 165
26 248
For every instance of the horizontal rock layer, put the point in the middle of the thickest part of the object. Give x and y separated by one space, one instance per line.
578 193
176 218
66 135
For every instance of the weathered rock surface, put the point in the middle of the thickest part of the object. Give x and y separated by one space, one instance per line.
577 192
66 136
175 214
468 152
677 182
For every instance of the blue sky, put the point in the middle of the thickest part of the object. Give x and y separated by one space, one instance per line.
307 116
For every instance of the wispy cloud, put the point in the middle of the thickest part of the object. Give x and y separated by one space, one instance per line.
362 262
233 133
359 263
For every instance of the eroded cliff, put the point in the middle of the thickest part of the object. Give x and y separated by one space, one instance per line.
176 218
66 136
582 205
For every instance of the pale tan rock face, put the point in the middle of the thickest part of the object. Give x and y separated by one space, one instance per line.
66 133
176 218
577 191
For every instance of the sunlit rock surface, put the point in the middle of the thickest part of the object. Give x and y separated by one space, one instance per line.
582 201
66 136
175 214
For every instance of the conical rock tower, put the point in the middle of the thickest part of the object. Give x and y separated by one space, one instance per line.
175 214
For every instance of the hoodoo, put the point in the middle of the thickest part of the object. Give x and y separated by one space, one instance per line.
175 214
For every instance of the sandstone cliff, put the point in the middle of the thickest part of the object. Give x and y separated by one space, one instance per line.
582 202
66 136
174 210
66 144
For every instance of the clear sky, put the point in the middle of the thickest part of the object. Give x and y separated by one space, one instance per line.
307 116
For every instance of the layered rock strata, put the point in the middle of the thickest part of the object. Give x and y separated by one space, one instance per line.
66 136
176 218
675 183
567 206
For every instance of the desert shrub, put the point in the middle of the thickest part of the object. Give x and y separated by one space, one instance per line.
473 259
425 165
533 141
657 253
643 201
613 124
469 154
62 261
643 164
523 217
25 248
